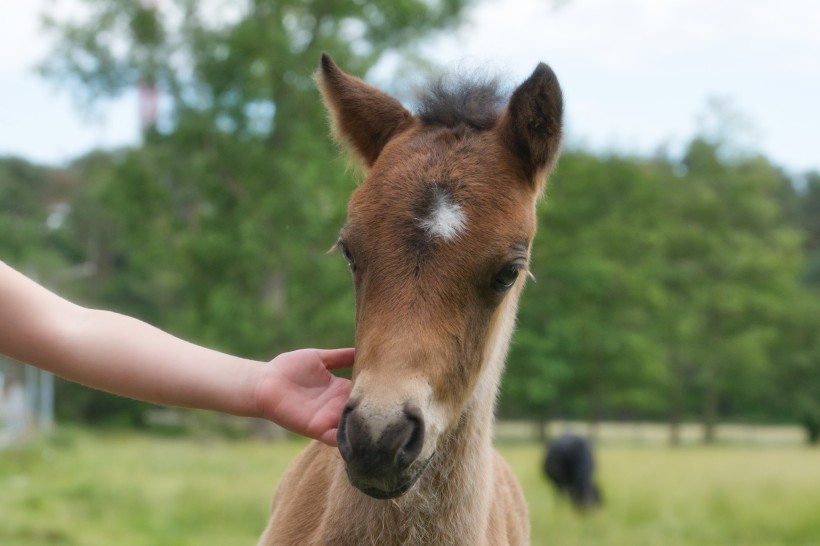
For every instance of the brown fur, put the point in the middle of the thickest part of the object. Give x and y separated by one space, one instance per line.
432 325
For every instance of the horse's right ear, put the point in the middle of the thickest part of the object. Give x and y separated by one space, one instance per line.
362 116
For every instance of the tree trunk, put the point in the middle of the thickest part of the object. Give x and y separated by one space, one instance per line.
710 401
675 419
541 432
812 426
595 407
675 403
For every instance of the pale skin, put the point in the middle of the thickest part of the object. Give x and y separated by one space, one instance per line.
125 356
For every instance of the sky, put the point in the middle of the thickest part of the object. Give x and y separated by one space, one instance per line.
637 75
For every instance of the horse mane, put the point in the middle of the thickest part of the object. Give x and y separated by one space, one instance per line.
453 100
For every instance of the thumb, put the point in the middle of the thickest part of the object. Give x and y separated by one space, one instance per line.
329 437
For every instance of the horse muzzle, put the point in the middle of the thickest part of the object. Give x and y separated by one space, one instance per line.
381 449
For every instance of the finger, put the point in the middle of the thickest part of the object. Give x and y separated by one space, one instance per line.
334 359
329 437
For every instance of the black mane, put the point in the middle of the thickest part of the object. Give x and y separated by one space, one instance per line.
472 100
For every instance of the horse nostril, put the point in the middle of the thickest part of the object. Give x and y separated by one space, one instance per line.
414 438
398 444
341 434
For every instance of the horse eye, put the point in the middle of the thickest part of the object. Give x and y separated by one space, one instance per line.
505 278
347 255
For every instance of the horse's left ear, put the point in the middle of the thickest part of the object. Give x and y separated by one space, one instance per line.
531 125
362 116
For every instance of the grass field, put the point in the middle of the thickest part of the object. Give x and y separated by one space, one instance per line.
83 488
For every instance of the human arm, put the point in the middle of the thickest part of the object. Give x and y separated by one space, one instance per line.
128 357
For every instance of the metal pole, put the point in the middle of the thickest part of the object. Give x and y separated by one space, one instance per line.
46 416
31 396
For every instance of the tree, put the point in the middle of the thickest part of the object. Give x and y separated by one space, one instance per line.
732 262
32 214
584 345
808 219
794 384
798 353
659 285
218 224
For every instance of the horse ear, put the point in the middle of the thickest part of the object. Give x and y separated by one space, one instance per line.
531 125
362 116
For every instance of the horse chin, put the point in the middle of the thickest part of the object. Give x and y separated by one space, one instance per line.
393 490
381 494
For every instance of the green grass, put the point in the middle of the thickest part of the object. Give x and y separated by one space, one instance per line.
657 496
83 488
89 489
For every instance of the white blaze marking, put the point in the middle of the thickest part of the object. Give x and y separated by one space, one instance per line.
446 219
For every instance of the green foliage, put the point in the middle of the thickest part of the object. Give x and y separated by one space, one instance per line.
30 216
217 227
808 218
664 287
228 207
660 287
591 297
737 274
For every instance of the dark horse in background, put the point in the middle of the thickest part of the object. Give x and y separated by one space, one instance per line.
570 466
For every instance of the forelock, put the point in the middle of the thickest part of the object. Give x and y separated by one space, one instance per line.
473 99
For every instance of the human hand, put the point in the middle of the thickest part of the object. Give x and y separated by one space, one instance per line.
297 391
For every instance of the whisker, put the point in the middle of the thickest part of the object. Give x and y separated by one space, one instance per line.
333 248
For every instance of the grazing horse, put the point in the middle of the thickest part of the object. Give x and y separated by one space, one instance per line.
570 466
437 239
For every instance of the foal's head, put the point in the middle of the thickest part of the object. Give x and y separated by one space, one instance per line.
438 239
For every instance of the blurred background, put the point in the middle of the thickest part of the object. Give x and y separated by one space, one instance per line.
170 159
